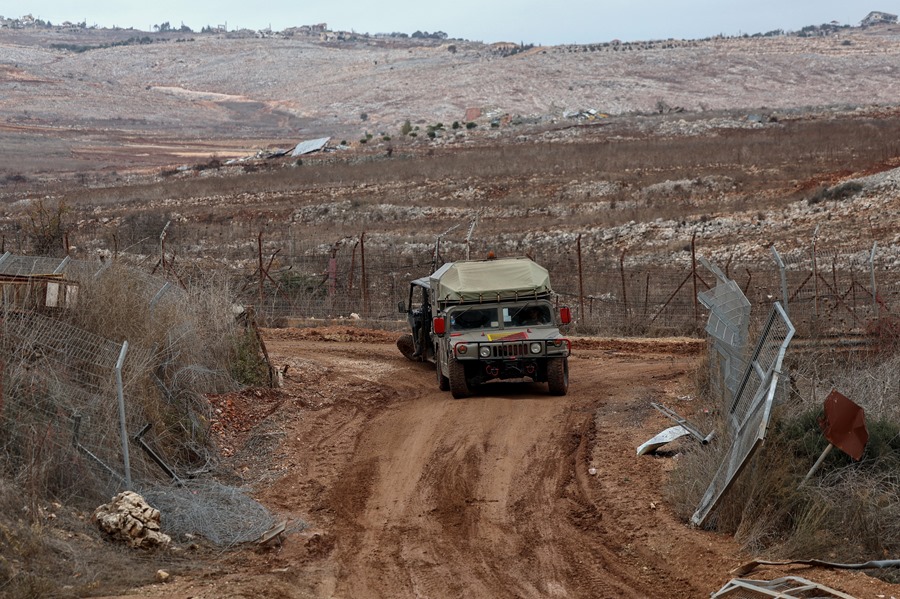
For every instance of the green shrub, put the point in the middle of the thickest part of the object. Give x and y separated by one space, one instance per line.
248 366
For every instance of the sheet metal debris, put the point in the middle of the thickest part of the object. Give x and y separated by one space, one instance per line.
307 147
684 428
782 588
693 430
667 436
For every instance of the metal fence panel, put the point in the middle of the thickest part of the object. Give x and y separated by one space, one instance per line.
752 408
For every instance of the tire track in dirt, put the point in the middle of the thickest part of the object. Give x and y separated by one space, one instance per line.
488 496
465 500
412 494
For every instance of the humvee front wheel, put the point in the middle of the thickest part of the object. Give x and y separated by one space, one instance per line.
558 376
459 386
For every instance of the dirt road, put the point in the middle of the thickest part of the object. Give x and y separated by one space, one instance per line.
409 493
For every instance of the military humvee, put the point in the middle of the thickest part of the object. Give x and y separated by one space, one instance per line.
488 320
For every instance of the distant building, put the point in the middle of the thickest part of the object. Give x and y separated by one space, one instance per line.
504 47
878 18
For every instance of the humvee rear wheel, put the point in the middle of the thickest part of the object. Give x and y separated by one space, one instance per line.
459 387
443 381
407 346
558 376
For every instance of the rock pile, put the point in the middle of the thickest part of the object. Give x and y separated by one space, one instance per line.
130 519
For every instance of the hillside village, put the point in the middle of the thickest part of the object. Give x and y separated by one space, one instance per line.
321 31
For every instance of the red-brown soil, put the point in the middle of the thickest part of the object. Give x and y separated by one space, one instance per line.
409 493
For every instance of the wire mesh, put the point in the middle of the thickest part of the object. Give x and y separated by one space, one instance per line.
59 414
222 514
60 397
728 327
752 407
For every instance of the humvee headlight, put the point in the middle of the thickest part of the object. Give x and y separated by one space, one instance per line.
485 351
536 348
462 348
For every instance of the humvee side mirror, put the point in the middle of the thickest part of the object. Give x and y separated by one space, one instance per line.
401 306
439 325
565 315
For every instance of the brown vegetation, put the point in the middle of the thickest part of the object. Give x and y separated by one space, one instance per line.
398 479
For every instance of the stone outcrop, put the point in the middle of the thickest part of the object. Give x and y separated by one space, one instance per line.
130 519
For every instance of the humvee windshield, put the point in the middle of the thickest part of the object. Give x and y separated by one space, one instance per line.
495 317
474 318
527 315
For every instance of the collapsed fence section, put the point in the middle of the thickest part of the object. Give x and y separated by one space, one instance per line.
751 409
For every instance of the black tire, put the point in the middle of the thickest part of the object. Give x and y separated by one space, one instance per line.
443 382
558 376
459 386
407 347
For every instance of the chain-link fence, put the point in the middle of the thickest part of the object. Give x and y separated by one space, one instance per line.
833 294
83 416
751 409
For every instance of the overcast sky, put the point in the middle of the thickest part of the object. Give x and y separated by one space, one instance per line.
530 21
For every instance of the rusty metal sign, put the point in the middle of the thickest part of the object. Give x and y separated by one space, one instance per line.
844 425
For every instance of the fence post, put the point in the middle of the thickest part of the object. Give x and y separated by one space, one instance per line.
262 274
332 280
352 268
815 273
784 287
364 278
694 277
624 287
647 294
162 246
580 281
872 273
469 236
120 391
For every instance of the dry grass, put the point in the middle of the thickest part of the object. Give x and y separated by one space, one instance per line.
849 511
179 349
55 552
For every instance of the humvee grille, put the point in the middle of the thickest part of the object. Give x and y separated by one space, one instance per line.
509 350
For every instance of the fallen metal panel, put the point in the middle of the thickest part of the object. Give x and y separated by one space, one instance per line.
667 436
769 352
754 413
693 430
313 145
781 588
